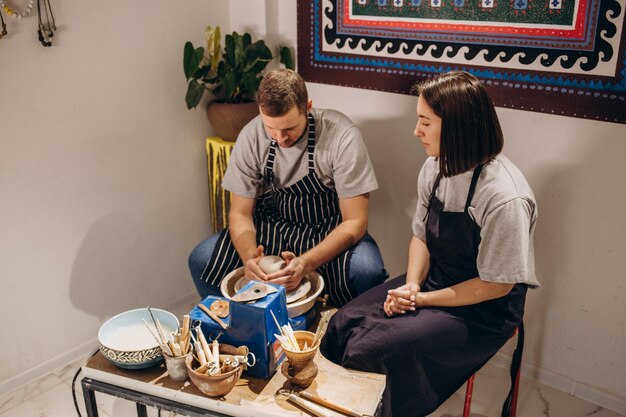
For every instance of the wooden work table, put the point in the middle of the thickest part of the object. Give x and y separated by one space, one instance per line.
251 397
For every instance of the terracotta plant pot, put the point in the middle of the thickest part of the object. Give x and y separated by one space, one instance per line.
228 119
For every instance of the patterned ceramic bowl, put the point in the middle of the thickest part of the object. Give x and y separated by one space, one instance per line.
126 341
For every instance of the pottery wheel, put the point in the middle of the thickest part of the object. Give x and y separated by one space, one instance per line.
239 284
300 292
292 296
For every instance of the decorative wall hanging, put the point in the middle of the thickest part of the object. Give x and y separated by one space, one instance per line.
564 57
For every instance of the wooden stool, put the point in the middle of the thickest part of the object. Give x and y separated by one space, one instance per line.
509 408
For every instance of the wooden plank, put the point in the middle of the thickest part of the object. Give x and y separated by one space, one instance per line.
361 391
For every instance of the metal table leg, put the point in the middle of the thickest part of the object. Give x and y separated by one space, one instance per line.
141 399
141 410
90 399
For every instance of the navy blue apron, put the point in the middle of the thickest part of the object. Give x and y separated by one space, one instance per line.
427 354
295 219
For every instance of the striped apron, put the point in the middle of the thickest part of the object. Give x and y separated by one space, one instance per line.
295 219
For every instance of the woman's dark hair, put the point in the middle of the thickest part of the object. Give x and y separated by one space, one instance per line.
470 130
280 91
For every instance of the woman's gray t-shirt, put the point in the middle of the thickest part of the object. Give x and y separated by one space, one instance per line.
504 209
341 159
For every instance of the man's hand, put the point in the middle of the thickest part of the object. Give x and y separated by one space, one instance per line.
291 275
401 299
251 268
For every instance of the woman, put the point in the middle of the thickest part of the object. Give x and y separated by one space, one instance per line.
470 259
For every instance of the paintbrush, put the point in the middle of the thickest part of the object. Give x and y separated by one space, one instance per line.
156 326
164 346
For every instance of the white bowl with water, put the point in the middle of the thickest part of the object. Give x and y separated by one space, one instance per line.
126 341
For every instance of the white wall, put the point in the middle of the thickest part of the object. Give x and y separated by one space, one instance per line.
575 323
103 187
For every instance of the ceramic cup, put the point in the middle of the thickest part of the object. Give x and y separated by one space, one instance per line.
176 367
300 368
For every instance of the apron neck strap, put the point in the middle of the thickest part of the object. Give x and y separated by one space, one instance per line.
472 189
311 143
470 194
269 166
432 195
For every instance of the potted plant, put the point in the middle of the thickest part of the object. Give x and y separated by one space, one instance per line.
232 76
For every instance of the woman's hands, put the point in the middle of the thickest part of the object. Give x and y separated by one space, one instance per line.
473 291
291 275
401 299
408 296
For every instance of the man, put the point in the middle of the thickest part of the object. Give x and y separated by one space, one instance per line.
300 180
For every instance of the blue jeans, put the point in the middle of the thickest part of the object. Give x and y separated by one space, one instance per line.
366 265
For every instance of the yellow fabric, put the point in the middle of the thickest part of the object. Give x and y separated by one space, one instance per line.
218 153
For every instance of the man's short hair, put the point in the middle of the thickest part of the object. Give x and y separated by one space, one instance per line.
280 91
470 130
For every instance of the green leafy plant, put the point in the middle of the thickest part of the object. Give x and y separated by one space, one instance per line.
232 75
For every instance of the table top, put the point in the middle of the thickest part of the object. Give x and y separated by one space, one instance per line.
360 391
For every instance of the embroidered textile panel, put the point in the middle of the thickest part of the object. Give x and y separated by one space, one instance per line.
564 57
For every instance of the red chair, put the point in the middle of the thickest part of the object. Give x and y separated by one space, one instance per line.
509 408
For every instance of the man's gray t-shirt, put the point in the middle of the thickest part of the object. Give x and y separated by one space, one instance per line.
504 209
340 156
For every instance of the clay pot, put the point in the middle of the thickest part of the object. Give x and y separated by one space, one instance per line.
270 264
227 119
213 385
300 368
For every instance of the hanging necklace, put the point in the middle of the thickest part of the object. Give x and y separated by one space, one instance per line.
16 14
50 26
4 27
45 32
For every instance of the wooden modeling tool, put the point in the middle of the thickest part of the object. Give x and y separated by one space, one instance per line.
312 408
213 316
329 404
